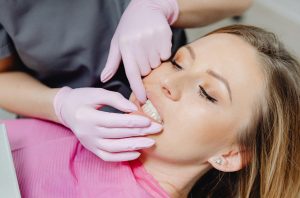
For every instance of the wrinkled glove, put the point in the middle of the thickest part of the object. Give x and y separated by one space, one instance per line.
111 136
142 39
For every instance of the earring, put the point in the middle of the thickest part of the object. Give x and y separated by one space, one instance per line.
218 161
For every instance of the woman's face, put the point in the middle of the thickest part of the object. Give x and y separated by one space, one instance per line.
205 97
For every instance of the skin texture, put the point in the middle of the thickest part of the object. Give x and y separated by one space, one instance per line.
196 130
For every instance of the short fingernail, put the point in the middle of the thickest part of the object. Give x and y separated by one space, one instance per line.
129 156
133 156
154 128
156 64
146 143
141 98
104 75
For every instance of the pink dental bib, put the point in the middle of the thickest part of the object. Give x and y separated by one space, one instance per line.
51 162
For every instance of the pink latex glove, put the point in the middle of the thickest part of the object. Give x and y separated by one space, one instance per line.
142 39
108 135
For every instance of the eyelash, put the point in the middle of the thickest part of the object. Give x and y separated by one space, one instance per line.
176 65
202 91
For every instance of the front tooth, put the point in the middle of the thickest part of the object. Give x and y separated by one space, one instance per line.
150 110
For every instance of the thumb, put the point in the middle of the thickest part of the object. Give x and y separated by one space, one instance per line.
113 62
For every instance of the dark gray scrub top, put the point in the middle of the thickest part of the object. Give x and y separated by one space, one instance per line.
65 42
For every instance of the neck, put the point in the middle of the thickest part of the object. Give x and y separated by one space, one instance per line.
176 179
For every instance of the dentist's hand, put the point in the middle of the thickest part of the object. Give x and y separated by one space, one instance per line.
142 39
111 136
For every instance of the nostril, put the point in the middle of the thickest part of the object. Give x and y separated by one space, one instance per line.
166 91
170 89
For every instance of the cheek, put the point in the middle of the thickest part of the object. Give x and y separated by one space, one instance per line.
191 135
200 131
157 74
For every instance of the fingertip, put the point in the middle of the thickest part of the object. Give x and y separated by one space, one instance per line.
165 56
156 65
149 142
165 53
139 91
104 75
132 107
132 156
141 96
125 104
144 121
112 63
142 99
156 127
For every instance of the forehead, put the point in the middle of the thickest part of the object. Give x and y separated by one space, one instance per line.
234 59
225 44
228 55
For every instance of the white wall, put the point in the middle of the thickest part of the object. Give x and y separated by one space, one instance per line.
279 16
288 8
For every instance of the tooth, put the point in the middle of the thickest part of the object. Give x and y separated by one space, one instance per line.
150 110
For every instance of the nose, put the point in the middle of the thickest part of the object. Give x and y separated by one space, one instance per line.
170 89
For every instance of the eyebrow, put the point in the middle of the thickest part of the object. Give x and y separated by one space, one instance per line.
191 51
210 72
217 76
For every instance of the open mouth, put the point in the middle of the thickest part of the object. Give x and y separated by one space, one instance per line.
151 111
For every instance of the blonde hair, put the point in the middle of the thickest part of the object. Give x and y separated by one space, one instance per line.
273 139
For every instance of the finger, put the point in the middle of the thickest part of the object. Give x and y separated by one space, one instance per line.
117 157
99 97
128 132
113 61
144 66
118 101
154 59
116 120
166 45
134 78
152 52
125 144
143 63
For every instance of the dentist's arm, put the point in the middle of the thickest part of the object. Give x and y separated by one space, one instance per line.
197 13
22 94
110 136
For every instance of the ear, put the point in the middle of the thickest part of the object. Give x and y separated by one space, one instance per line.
229 161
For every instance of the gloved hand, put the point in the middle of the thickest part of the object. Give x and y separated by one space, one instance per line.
108 135
142 39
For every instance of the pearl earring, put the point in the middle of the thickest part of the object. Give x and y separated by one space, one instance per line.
218 161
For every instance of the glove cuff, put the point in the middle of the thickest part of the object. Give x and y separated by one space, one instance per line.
57 103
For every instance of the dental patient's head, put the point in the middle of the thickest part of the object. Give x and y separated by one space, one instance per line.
228 101
206 95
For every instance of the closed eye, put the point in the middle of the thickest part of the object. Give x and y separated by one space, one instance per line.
204 94
202 91
176 65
